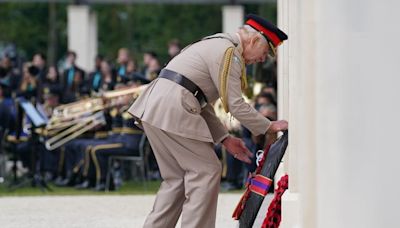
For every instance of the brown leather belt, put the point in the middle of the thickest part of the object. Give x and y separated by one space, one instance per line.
186 83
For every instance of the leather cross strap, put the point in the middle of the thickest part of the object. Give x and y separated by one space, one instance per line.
186 83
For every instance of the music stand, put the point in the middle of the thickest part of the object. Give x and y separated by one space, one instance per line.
33 114
37 121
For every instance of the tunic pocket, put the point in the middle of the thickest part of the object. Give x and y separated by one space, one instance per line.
190 103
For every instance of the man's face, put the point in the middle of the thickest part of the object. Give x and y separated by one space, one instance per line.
52 74
38 61
5 62
105 67
147 59
97 62
123 56
131 66
71 59
256 51
173 50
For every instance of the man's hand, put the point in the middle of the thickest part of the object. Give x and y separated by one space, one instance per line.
276 126
236 147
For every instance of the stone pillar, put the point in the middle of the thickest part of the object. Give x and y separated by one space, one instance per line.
82 35
345 116
357 114
289 106
283 81
305 114
93 47
232 18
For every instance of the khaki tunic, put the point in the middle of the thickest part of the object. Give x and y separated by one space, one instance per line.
170 107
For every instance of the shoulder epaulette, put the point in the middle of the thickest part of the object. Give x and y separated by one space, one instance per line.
224 74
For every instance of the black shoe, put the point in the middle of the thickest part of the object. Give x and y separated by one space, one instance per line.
154 175
58 180
68 181
100 187
83 185
63 182
48 176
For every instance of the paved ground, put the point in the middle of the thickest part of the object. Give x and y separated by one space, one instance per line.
95 211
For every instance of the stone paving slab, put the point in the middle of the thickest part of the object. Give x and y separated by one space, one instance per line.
95 211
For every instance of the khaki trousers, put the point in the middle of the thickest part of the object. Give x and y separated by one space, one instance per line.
191 175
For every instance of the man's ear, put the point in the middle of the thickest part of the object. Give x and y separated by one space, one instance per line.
254 40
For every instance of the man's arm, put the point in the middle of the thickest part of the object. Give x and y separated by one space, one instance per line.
239 109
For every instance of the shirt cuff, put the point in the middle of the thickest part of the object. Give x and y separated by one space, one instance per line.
221 138
268 126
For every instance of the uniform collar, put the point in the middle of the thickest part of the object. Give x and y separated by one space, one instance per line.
236 39
240 44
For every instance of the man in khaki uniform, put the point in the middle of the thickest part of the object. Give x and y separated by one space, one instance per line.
178 118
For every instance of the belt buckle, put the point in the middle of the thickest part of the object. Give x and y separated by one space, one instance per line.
203 103
200 99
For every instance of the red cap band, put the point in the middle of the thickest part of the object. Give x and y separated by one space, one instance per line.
271 36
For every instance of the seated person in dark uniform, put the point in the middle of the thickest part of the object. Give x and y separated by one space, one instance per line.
10 74
122 61
76 161
8 129
39 61
102 79
76 156
6 107
73 79
75 91
152 66
174 47
94 81
125 143
50 88
108 76
49 94
29 84
83 155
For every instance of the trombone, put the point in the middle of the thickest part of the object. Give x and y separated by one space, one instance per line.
72 120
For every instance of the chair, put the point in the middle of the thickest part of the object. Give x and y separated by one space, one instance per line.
139 161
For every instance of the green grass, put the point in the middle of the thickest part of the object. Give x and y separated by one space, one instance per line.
128 188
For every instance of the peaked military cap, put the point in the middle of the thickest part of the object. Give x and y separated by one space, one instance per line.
272 33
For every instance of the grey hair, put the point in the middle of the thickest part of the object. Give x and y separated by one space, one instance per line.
251 31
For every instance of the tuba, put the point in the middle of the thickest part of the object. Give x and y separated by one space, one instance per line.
69 121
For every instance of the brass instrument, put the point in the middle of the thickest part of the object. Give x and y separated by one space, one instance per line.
72 120
231 123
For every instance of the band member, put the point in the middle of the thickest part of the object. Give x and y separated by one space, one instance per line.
73 80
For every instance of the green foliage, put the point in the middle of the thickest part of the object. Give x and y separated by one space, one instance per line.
145 27
269 11
139 27
26 25
149 27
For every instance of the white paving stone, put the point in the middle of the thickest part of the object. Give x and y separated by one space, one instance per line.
94 211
